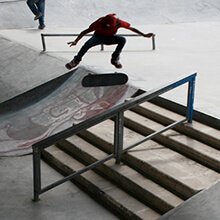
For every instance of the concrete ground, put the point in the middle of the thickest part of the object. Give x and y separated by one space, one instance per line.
65 202
186 42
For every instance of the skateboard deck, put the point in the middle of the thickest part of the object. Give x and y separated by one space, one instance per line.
106 79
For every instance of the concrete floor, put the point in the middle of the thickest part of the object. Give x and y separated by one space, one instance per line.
64 202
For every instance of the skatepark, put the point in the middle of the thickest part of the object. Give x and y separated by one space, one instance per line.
186 43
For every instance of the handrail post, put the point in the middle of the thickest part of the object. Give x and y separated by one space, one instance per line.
102 47
118 135
36 173
190 101
153 42
43 42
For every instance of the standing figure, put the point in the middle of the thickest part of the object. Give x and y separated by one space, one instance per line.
38 7
105 29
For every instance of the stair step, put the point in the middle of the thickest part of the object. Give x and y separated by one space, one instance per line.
144 189
99 188
191 148
196 130
167 167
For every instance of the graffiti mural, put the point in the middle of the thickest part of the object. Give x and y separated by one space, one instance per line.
67 104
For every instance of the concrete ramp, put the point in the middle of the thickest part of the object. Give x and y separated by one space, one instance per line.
23 68
52 107
38 99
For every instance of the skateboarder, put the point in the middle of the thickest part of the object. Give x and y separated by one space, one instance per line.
105 29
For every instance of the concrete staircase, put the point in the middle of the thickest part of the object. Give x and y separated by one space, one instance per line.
152 178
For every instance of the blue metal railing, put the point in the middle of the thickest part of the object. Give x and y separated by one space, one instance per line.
118 113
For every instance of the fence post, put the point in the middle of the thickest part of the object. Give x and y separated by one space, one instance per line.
36 173
118 135
190 101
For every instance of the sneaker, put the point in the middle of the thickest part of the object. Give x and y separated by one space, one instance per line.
41 27
38 16
116 63
73 63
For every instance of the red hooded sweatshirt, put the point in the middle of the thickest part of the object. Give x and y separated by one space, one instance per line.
108 25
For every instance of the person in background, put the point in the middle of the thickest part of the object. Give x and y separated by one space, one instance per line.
105 29
37 7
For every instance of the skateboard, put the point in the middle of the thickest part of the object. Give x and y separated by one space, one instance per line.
104 79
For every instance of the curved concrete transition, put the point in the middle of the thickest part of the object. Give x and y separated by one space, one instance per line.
52 107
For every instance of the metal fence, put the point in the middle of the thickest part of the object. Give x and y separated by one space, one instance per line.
118 114
43 36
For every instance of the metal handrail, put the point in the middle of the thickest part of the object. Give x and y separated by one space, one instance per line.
118 113
89 35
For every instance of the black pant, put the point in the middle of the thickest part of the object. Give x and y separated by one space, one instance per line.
97 40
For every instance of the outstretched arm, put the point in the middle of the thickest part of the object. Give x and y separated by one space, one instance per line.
140 33
81 35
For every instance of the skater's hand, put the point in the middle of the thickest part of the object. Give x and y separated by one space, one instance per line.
149 35
72 43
